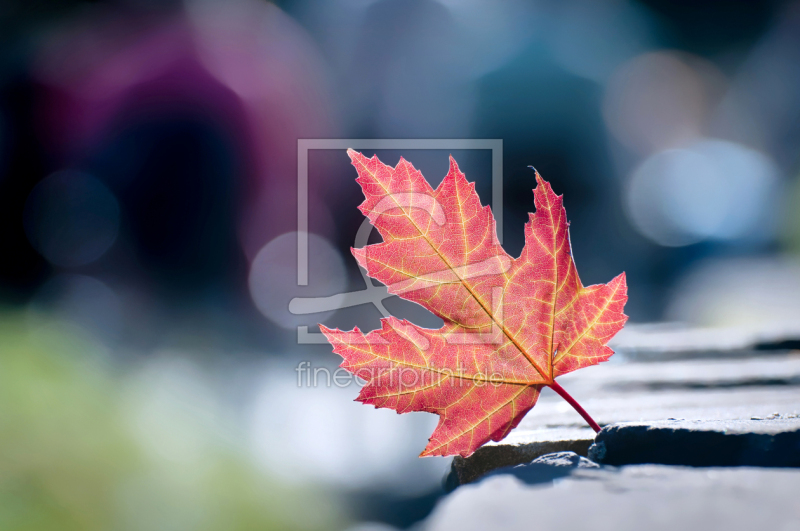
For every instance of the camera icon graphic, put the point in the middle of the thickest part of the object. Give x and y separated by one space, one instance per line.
372 294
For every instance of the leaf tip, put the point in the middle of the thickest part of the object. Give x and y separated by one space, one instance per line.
330 334
360 255
454 169
620 280
428 451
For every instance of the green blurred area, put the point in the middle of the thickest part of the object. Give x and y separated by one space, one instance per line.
791 226
86 446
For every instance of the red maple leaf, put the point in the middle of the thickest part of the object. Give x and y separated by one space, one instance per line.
511 326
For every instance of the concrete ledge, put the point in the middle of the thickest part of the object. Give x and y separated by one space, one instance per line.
518 448
631 498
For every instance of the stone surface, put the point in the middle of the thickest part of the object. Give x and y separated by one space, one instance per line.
671 341
732 409
783 369
635 498
727 389
519 447
764 442
724 389
547 468
562 459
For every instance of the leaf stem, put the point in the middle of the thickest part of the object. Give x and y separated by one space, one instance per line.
566 396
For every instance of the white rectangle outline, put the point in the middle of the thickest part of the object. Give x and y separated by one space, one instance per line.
306 144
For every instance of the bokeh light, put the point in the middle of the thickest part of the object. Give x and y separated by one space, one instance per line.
83 301
273 278
307 409
711 189
71 218
591 39
749 293
660 100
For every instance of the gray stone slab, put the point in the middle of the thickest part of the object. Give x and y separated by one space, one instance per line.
632 498
697 389
642 392
687 374
519 447
771 442
608 408
547 468
671 341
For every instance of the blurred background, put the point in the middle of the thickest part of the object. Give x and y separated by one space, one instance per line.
148 209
